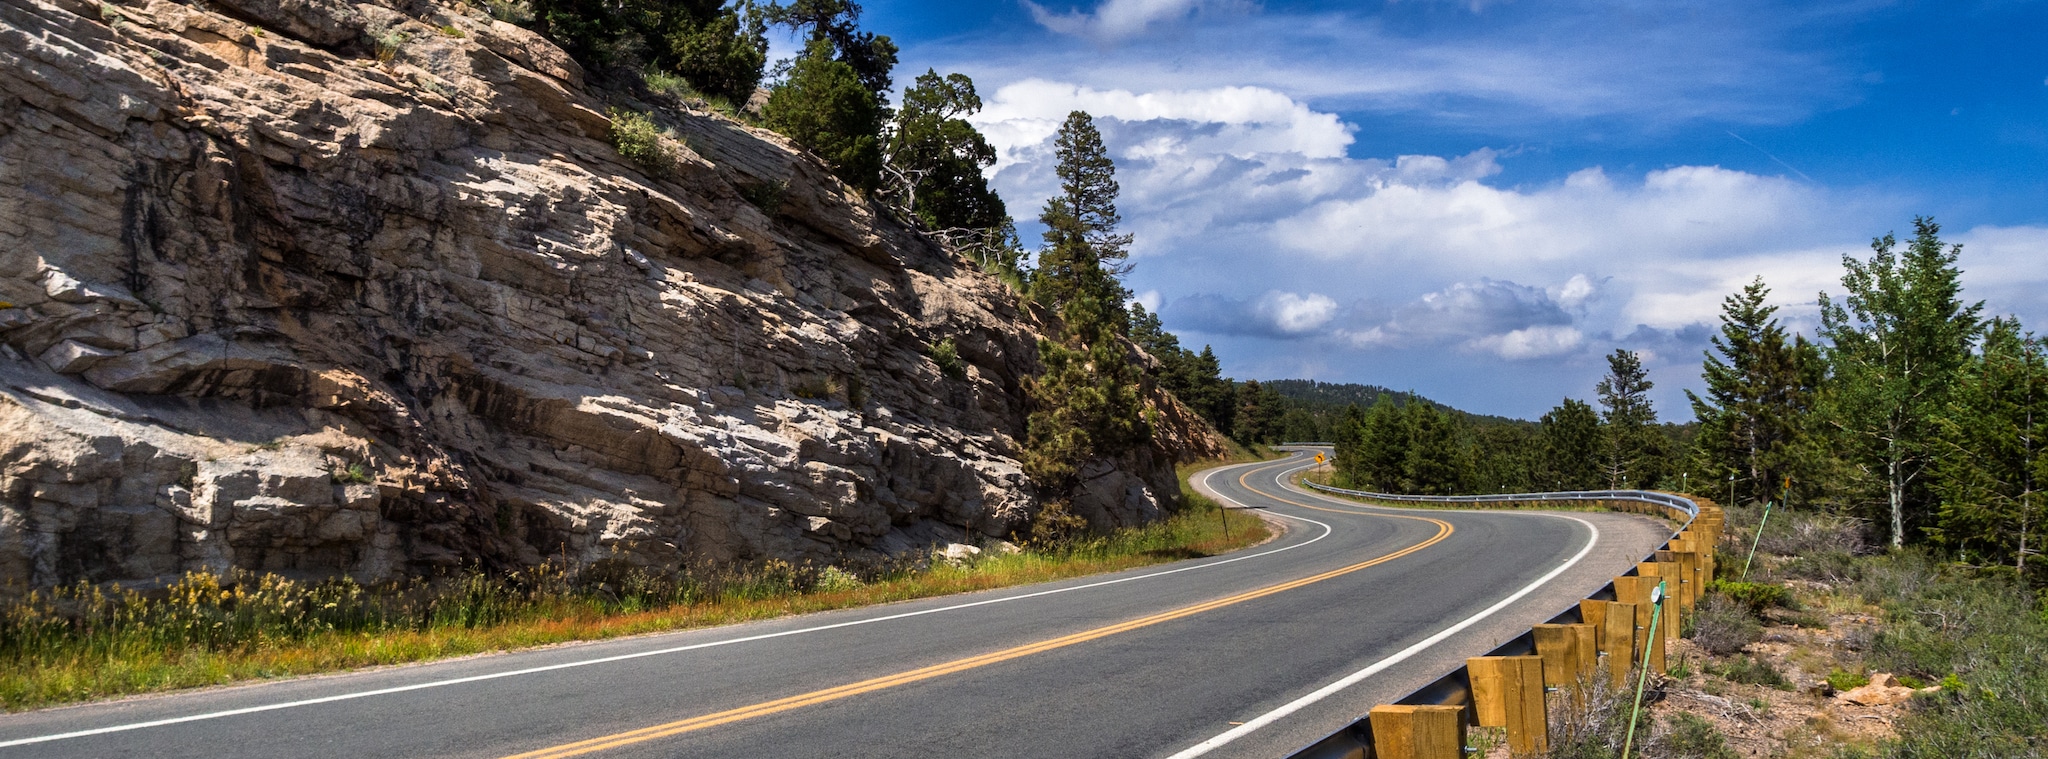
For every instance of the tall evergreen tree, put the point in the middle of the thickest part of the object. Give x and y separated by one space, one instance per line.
1632 447
1213 395
1089 403
1347 435
1571 448
1435 462
1083 249
1760 388
1258 414
1503 457
1895 343
1990 453
1383 441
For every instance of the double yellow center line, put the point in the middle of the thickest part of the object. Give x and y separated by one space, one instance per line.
765 708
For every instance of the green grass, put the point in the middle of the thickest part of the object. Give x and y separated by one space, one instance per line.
85 642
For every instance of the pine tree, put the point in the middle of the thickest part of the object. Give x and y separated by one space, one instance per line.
1258 414
1213 395
837 24
1989 452
1435 462
1503 458
1348 437
824 108
1383 442
1083 251
1895 343
1088 405
1759 390
936 158
718 49
1571 448
1631 445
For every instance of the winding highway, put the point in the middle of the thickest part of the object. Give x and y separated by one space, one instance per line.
1252 654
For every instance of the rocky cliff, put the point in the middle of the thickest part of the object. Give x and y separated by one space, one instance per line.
319 287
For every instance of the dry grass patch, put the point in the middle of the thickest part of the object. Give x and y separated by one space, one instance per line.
86 642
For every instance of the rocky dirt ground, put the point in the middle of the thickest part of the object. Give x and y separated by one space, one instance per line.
1822 634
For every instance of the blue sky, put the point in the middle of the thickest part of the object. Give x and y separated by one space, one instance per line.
1478 200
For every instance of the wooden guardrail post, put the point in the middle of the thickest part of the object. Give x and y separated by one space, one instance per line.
1665 568
1613 636
1680 546
1587 638
1403 731
1636 590
1558 645
1507 691
1689 568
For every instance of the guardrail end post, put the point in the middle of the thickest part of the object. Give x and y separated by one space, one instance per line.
1403 731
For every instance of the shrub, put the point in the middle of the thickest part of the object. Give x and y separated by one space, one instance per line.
639 140
1056 527
1832 567
665 83
354 474
1750 670
1722 626
510 11
1840 680
947 356
1800 533
832 579
1755 596
386 42
766 196
1686 736
817 388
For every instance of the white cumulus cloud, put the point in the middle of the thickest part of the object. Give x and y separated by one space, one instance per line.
1114 19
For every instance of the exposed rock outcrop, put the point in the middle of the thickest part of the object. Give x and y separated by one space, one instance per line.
321 287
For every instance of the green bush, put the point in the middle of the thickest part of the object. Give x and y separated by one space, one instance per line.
1722 626
946 355
1756 596
1689 737
824 107
354 474
639 140
1750 670
1840 680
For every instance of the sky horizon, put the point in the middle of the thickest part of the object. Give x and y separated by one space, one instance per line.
1479 200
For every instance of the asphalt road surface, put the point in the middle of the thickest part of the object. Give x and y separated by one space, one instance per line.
1252 654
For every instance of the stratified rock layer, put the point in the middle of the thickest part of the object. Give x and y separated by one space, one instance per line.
322 287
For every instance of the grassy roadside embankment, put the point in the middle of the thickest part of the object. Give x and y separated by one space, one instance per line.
87 642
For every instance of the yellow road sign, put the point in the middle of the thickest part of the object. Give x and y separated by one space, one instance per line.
1319 458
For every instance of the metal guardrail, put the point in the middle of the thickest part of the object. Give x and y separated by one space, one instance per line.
1680 503
1355 741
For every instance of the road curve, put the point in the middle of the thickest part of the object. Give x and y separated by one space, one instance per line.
1162 661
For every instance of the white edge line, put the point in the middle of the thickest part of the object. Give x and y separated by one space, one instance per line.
658 652
1376 667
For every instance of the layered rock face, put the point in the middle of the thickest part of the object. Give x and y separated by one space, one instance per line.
320 287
